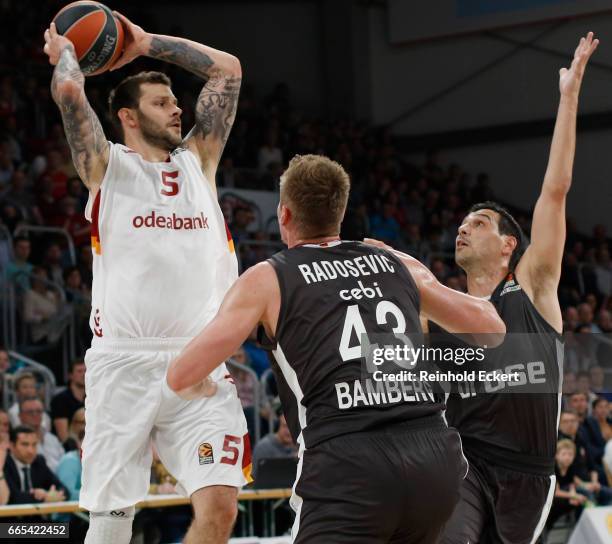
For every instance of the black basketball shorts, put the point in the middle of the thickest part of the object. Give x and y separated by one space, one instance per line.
398 484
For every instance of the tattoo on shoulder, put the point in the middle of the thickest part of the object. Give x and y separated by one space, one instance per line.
82 127
216 107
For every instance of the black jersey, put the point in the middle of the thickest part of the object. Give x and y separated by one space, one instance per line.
333 297
516 429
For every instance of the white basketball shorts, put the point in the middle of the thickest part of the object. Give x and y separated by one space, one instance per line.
128 406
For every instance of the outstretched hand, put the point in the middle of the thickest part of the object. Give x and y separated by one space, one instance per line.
54 44
135 43
570 79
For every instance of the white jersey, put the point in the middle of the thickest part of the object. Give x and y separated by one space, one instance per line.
163 256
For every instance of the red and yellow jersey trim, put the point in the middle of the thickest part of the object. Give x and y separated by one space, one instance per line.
96 245
230 240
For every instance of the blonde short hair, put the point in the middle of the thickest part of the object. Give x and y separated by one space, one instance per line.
566 444
316 190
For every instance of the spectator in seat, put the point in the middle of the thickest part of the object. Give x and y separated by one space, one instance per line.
76 190
6 165
4 488
246 385
598 432
73 221
20 196
43 310
571 320
585 314
18 270
55 170
274 445
384 226
597 376
5 364
29 478
603 271
567 499
607 462
65 404
25 386
30 414
579 404
569 427
242 217
77 424
583 385
604 321
78 295
569 383
5 426
227 175
257 357
46 202
269 152
583 466
52 262
69 469
85 263
69 472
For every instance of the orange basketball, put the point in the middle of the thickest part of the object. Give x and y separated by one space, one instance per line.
96 33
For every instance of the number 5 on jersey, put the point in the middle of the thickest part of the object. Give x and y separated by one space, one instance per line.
171 188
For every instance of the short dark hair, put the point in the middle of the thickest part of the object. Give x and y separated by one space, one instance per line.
20 429
75 363
597 401
70 270
18 239
29 399
127 93
508 226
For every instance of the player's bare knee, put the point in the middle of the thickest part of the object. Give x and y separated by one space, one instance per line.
223 515
216 505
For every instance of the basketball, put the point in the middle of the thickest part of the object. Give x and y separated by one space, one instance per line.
96 33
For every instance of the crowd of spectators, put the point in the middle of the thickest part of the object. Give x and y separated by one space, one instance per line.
416 207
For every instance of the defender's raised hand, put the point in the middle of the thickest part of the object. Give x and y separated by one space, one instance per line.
570 79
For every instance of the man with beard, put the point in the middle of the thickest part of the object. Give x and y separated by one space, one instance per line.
510 439
163 261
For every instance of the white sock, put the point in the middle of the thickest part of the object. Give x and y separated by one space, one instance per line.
114 527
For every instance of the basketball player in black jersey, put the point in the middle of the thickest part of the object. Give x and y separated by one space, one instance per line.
510 439
377 462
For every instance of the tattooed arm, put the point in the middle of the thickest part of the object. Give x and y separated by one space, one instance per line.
89 147
218 100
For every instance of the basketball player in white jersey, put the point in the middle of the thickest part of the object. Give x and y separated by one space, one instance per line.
163 261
